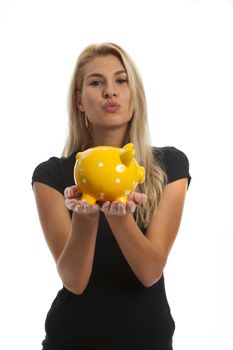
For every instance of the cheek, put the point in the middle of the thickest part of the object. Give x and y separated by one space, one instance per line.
88 99
128 95
127 99
130 108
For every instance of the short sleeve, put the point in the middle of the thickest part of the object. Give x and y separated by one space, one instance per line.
176 164
49 173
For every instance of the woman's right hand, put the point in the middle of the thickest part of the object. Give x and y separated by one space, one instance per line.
74 202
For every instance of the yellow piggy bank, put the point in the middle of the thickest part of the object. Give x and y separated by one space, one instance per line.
106 173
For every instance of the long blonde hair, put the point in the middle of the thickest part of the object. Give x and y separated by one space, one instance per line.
79 137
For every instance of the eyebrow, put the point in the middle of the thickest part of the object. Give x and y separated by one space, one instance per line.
101 75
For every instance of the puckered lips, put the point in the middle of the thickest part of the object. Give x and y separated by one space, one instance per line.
111 106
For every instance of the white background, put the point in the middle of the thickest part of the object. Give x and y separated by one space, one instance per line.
184 51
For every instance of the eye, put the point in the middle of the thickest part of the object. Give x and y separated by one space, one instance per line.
122 81
96 82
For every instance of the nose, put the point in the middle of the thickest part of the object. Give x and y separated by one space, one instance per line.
109 92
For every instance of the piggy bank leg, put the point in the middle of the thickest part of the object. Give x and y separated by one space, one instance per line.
122 199
88 198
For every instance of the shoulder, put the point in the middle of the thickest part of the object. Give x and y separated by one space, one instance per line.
55 172
174 162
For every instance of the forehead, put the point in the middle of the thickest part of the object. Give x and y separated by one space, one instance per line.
103 65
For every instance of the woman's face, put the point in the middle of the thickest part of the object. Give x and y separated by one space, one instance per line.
105 96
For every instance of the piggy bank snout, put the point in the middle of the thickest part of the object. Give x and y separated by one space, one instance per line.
141 174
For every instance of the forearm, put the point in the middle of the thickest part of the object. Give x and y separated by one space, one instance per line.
76 260
145 260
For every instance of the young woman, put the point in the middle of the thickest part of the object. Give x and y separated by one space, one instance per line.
110 256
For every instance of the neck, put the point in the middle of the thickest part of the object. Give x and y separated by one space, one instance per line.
114 138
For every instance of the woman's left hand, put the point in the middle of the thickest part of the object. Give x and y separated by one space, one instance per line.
121 208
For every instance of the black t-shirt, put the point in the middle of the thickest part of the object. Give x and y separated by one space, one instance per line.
115 311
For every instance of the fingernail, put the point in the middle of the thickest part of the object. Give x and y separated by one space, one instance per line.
76 207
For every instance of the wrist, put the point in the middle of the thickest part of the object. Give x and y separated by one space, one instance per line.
85 218
118 218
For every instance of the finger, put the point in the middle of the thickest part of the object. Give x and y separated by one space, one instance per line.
121 210
137 197
94 208
71 192
105 207
67 192
70 204
85 207
82 207
71 200
117 208
130 207
113 208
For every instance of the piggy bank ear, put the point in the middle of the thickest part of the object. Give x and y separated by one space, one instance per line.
128 146
127 154
78 155
141 174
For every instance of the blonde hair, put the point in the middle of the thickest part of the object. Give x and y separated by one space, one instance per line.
79 137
